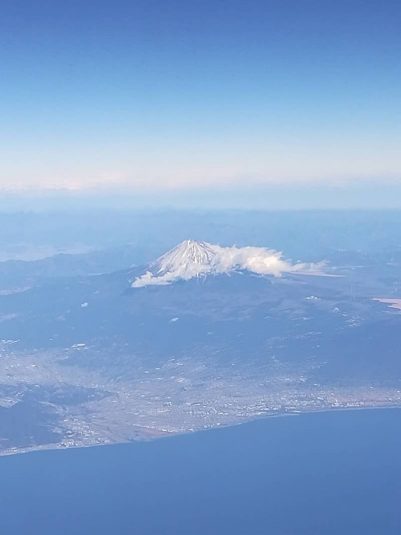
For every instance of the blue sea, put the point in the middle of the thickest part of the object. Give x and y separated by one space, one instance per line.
314 474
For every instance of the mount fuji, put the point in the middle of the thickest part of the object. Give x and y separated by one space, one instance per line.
191 259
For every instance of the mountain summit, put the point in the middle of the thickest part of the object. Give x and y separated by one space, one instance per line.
191 259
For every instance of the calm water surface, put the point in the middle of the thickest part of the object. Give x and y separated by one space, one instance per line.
337 473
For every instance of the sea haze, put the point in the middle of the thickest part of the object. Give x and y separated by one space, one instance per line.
326 474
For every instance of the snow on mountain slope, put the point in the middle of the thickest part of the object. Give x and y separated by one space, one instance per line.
189 258
192 259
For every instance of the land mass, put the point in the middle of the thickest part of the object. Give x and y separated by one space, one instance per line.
95 359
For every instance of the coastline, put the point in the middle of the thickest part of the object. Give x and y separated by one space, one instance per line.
159 434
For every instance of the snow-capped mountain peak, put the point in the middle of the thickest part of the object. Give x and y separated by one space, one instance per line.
191 259
188 257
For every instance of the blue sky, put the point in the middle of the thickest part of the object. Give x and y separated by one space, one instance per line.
147 97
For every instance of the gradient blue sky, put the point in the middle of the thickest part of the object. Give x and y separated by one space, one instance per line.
153 96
